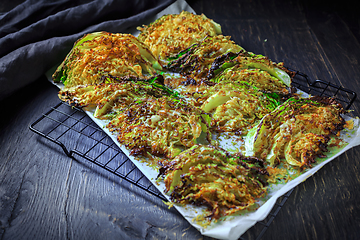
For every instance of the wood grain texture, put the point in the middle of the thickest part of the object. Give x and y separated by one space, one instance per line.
46 195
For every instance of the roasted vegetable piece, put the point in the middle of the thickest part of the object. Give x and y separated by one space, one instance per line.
101 53
249 60
159 126
235 106
173 33
298 131
196 60
262 80
115 94
209 176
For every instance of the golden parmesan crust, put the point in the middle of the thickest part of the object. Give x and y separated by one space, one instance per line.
173 33
225 184
257 78
106 54
298 131
234 107
157 126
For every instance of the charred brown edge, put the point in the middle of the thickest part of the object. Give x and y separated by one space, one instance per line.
311 154
219 61
329 101
157 78
178 65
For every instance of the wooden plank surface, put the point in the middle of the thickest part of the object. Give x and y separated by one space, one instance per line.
46 195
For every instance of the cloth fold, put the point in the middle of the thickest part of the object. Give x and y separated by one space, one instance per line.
36 35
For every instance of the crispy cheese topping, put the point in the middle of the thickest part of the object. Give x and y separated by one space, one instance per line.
173 33
297 131
209 176
99 54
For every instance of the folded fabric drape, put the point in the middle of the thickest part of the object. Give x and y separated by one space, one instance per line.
37 34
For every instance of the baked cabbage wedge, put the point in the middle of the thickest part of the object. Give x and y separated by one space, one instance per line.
197 60
249 60
146 117
160 126
262 80
298 131
114 94
209 176
172 33
235 106
102 53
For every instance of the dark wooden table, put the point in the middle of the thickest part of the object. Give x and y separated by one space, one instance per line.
46 195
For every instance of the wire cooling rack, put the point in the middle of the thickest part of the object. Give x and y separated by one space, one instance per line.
74 131
323 88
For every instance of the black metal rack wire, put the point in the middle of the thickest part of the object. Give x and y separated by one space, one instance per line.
323 88
85 139
79 136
